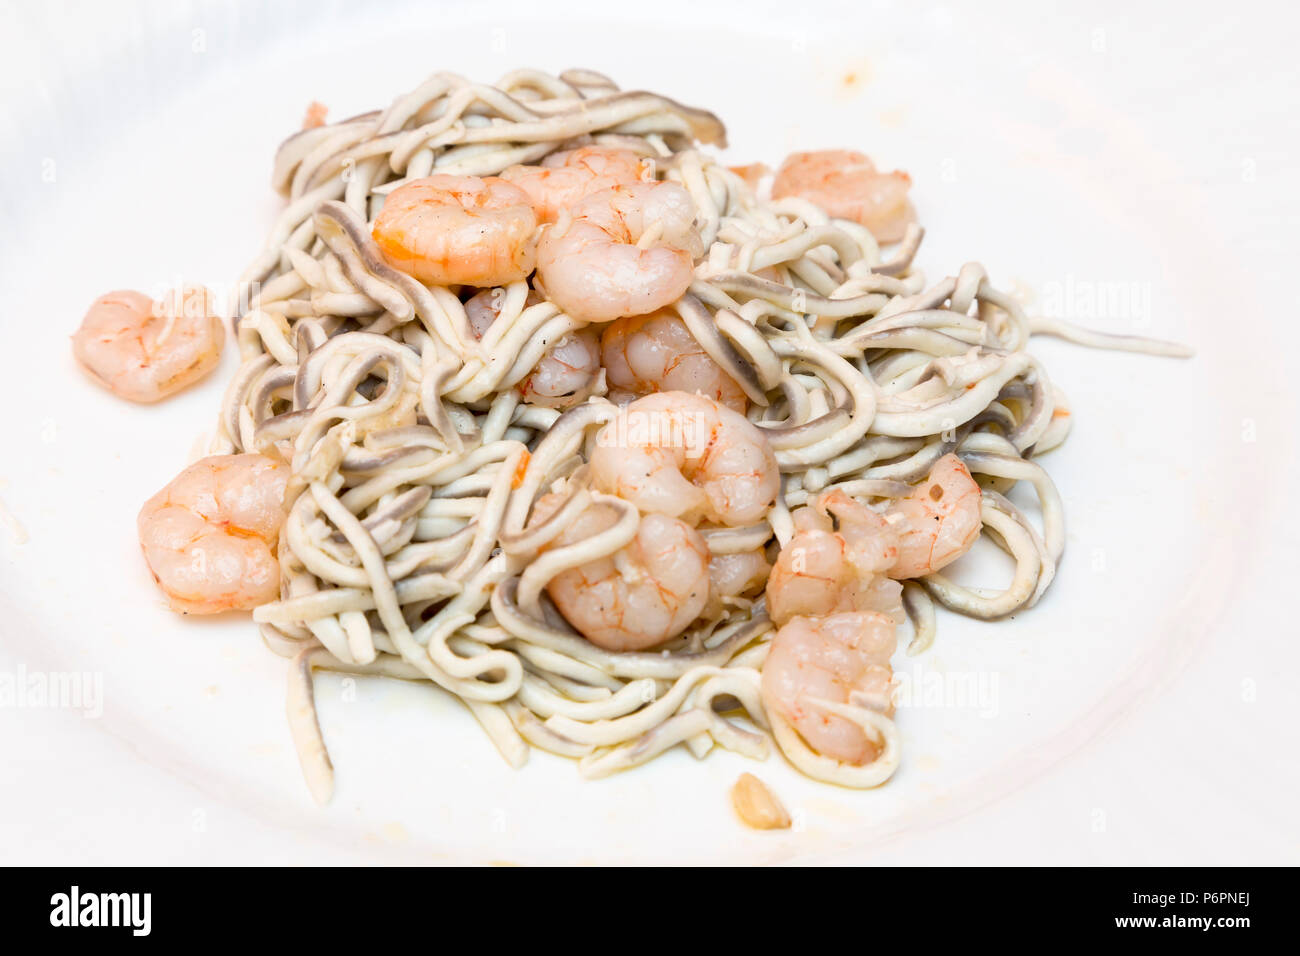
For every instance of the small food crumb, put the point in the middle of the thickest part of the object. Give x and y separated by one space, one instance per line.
892 118
394 832
853 78
315 115
16 529
757 806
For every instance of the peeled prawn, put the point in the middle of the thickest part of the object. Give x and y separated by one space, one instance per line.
938 521
564 372
623 251
565 178
842 658
656 353
210 536
644 594
825 570
688 457
145 351
733 576
458 230
848 186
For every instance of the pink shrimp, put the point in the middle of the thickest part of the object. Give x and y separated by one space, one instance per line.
688 457
657 353
831 658
822 570
628 250
938 522
848 186
209 537
565 372
145 351
644 594
458 230
565 178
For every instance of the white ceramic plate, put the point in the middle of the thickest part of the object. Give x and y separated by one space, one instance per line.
1140 713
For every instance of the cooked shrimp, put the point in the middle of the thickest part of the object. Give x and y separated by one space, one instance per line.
565 178
144 350
848 186
459 230
831 658
209 537
688 457
657 353
825 571
938 522
564 371
645 593
623 251
733 576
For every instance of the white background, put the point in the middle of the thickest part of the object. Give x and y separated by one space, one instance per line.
1146 708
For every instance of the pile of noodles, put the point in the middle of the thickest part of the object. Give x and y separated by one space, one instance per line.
407 551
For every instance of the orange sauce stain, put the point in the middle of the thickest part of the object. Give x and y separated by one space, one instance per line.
518 479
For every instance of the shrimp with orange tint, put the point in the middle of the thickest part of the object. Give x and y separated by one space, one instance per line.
735 576
565 372
210 536
623 251
144 350
848 186
841 658
826 570
458 230
565 178
688 457
938 521
643 594
643 354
